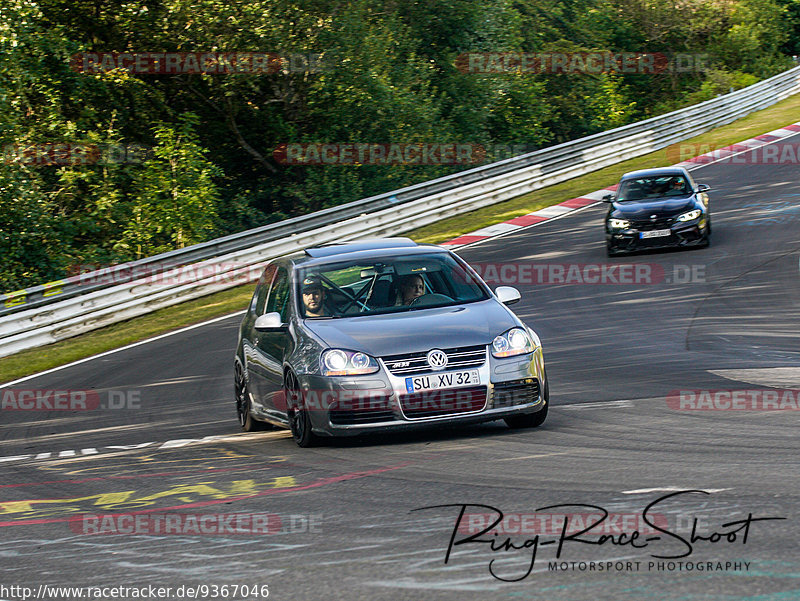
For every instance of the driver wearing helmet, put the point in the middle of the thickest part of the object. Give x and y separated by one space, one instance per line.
677 187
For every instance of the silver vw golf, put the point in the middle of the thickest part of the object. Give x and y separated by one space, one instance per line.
383 335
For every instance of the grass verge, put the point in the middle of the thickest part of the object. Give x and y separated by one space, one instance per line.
229 301
120 334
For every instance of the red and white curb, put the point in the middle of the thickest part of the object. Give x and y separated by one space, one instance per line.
535 218
575 204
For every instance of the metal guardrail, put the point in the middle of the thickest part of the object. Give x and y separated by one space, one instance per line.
62 309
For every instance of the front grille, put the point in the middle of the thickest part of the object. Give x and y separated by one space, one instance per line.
646 225
441 402
417 363
361 410
516 392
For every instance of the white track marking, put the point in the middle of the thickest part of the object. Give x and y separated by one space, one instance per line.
642 491
497 228
534 456
130 447
552 211
14 458
170 444
598 405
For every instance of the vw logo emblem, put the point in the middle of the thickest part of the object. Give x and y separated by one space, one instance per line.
437 359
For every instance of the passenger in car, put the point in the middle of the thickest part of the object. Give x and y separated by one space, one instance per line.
410 287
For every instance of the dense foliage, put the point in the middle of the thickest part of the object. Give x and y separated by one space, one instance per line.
389 74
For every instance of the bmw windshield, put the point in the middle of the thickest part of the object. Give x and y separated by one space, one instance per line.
644 188
385 285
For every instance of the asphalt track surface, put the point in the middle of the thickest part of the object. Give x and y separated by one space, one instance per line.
343 519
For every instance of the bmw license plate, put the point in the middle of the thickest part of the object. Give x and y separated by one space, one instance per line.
451 379
655 233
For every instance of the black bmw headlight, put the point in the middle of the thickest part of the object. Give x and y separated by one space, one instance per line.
690 216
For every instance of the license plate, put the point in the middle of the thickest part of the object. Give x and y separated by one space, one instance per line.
655 233
451 379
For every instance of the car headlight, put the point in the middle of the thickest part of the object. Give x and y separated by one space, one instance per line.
619 224
514 342
336 362
690 215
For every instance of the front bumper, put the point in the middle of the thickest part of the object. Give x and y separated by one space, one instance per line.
693 233
380 402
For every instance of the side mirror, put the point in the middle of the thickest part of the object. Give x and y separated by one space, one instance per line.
608 198
269 322
703 187
507 295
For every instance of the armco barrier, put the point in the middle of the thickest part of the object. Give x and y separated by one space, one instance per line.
58 310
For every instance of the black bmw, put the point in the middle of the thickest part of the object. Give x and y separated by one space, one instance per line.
657 208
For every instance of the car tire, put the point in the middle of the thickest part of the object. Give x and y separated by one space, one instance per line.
299 420
246 420
610 252
531 420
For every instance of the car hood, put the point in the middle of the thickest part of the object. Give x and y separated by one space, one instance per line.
418 330
663 207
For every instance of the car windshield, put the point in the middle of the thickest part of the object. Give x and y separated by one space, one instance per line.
385 285
644 188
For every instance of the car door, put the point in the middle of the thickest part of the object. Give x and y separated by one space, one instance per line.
270 348
250 356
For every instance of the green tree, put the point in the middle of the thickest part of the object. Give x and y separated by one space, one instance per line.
177 202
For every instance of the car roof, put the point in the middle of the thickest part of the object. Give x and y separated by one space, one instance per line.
338 248
657 172
365 249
